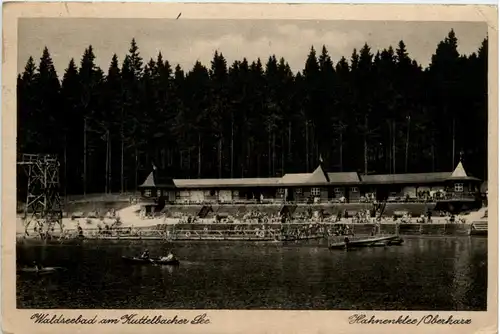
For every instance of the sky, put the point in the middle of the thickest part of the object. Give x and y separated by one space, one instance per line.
186 41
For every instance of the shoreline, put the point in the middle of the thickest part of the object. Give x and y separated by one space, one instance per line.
262 232
129 223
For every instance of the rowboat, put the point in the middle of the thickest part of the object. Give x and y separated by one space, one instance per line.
138 260
396 242
173 262
393 240
40 271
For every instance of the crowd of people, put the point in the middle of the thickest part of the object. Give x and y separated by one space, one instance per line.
319 216
308 214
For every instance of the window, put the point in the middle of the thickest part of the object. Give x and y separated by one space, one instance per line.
459 187
147 192
298 191
281 191
337 191
158 193
315 192
354 189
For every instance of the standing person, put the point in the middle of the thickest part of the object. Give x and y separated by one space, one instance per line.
346 242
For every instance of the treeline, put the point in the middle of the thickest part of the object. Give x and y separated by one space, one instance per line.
378 111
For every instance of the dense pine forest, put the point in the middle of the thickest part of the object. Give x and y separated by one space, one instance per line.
374 111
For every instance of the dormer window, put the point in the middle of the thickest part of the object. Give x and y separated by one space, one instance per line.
315 192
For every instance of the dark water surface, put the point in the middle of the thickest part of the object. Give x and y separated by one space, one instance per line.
425 273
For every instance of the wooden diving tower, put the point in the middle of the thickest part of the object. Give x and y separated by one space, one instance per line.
43 202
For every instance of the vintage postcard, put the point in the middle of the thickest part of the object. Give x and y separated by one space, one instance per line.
249 168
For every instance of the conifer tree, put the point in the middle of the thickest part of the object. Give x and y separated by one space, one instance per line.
113 106
219 114
71 126
312 84
90 114
132 72
27 108
48 110
380 111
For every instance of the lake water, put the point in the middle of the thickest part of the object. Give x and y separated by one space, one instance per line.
425 273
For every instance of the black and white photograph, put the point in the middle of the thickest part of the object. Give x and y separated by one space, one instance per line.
252 164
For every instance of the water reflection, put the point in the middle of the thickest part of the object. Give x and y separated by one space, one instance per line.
168 270
422 274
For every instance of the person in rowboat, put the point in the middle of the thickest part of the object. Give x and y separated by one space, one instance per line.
37 266
169 257
145 254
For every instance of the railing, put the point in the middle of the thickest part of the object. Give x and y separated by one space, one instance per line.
232 231
460 195
32 158
134 197
302 201
99 197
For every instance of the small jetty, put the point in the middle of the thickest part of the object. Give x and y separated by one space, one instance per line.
361 242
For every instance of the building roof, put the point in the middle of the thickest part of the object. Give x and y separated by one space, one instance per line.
224 183
405 178
344 178
460 174
295 178
316 178
459 171
150 181
158 178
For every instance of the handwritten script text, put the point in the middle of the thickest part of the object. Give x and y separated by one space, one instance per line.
126 319
429 319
